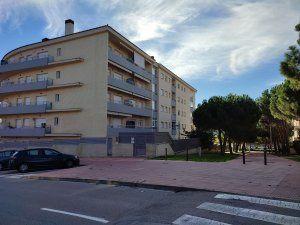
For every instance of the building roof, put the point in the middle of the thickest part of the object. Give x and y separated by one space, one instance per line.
89 32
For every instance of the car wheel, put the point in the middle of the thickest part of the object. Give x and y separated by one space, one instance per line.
1 167
70 163
23 168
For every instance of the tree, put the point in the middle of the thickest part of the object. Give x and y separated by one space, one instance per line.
233 118
211 116
206 137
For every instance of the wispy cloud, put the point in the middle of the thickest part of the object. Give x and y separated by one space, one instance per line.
195 38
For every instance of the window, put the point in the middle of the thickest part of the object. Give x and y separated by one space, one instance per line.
116 122
117 99
42 55
58 74
58 52
162 76
34 152
22 59
178 86
29 57
140 123
40 122
41 77
26 122
19 101
18 123
21 80
154 122
162 92
118 76
27 101
178 113
50 152
153 88
57 97
41 100
153 104
28 79
55 121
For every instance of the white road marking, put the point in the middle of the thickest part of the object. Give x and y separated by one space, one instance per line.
101 220
263 201
194 220
251 213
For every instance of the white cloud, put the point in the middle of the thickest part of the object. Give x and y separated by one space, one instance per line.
195 38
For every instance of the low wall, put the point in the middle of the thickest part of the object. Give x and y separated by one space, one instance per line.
155 150
122 150
84 147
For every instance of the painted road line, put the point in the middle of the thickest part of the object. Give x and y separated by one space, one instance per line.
194 220
101 220
263 201
251 213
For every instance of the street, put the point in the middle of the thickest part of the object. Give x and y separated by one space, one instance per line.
37 202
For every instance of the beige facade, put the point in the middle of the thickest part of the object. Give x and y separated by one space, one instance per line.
90 84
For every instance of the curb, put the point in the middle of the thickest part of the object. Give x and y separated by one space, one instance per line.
145 185
120 183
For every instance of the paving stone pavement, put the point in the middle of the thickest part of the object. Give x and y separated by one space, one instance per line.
278 179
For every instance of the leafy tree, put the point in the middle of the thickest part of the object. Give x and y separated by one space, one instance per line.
206 137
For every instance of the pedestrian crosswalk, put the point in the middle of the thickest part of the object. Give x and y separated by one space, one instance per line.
241 212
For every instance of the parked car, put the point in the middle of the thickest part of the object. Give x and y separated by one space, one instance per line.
4 158
40 158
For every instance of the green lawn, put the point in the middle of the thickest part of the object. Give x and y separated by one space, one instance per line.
294 157
207 157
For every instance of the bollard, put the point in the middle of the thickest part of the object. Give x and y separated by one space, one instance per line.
166 154
265 156
187 154
244 159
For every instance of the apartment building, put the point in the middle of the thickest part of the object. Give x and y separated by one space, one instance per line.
85 89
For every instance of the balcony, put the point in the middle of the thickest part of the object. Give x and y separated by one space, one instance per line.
26 65
173 117
25 109
129 87
173 102
128 65
114 131
24 131
173 88
128 109
22 87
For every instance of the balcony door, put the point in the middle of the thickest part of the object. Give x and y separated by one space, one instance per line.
27 101
41 100
41 77
18 123
19 101
40 122
116 122
117 99
42 55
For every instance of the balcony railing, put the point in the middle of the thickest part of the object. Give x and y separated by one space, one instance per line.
128 109
128 65
26 65
24 131
129 87
25 109
115 130
27 86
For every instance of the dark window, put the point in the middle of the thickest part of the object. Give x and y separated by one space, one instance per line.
50 152
34 152
57 97
57 74
55 121
58 52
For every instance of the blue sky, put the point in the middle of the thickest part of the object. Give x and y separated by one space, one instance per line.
218 46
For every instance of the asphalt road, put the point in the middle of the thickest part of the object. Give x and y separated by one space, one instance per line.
35 202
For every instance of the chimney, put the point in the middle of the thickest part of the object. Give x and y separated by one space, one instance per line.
69 27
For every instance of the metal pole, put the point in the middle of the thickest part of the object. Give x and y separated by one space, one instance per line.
265 156
166 154
187 154
244 159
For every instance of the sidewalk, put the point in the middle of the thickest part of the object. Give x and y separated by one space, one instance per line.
279 179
